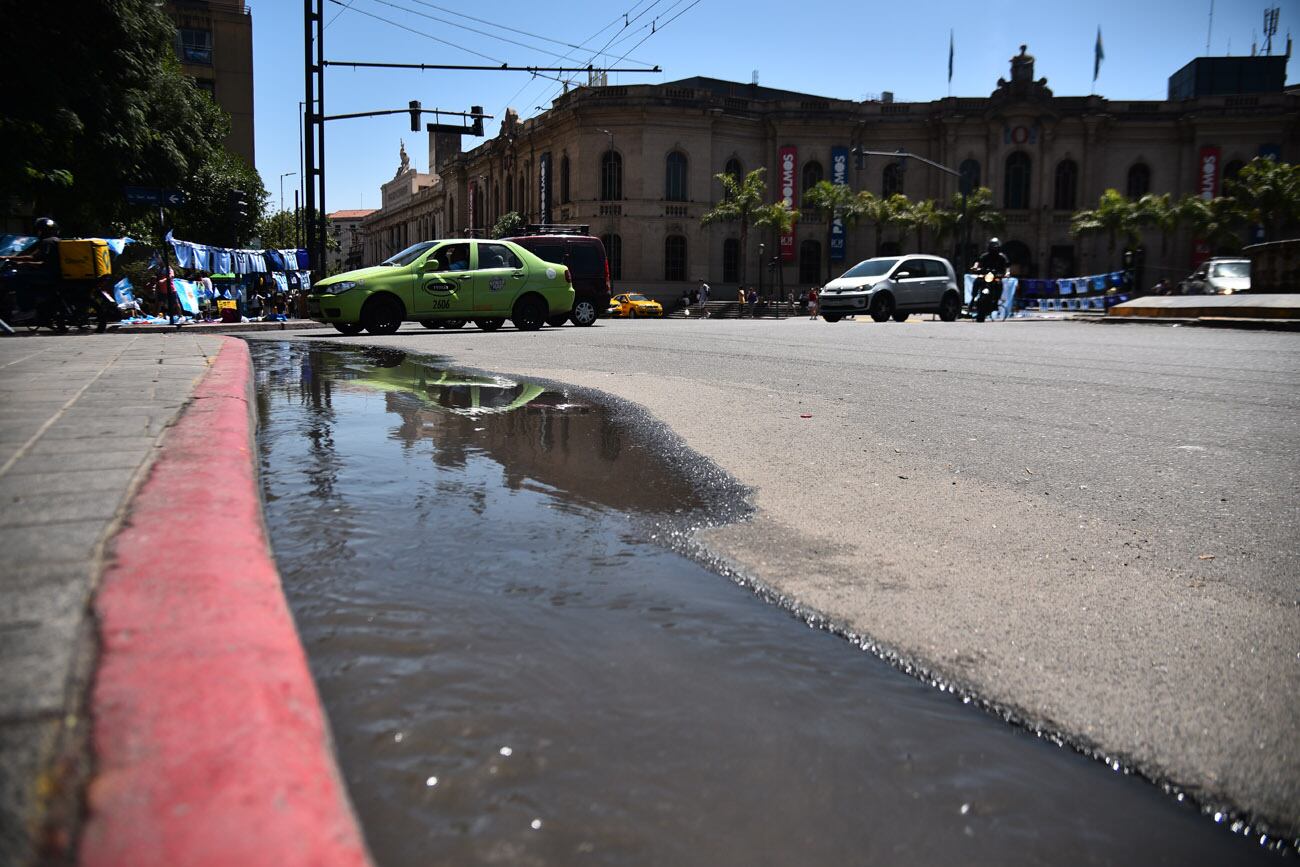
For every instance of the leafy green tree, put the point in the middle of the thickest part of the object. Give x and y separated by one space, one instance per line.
282 230
778 218
1115 217
208 215
981 215
829 201
511 223
742 200
95 101
1268 193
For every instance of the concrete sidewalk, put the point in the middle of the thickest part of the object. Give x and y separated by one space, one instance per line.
81 421
1219 307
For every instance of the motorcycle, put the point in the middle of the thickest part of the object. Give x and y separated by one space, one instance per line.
986 295
57 306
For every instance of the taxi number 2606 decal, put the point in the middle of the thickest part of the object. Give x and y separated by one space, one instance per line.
440 303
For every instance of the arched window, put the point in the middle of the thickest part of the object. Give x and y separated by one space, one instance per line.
891 180
675 257
675 177
1139 180
523 197
737 172
1066 191
564 179
1016 190
510 195
614 253
812 175
731 261
969 178
611 177
810 262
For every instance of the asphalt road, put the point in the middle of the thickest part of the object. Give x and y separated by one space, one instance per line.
1093 527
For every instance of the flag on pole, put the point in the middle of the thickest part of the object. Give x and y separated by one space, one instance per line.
1098 56
950 45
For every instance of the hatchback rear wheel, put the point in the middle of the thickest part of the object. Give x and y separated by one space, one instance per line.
950 307
584 313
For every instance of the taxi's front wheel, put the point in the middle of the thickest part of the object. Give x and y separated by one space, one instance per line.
382 315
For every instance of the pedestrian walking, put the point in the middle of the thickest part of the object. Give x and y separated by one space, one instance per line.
813 295
740 298
686 302
704 299
752 299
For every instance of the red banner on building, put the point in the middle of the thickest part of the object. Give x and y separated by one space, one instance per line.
1207 187
789 170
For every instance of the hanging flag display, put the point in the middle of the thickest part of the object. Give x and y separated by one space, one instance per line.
1207 187
544 186
840 176
789 162
1098 55
950 48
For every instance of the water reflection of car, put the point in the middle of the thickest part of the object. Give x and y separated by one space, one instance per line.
1219 277
633 305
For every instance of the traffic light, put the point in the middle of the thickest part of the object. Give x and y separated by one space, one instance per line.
415 115
478 120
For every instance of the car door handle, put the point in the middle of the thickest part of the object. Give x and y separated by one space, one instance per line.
464 276
517 274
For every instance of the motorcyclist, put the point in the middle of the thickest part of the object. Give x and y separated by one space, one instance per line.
37 272
993 259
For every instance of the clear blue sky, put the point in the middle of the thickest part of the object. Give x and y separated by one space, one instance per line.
837 49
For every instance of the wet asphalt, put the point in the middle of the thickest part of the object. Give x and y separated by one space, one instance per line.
1091 527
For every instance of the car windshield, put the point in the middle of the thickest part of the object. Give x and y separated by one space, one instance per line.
409 255
871 268
637 298
1230 269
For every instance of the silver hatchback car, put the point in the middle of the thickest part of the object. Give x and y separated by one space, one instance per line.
893 287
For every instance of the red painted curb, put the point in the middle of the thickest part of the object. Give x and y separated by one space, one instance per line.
210 743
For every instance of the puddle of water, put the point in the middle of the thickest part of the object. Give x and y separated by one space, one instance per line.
516 673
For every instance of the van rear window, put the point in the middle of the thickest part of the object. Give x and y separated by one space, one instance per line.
585 261
548 252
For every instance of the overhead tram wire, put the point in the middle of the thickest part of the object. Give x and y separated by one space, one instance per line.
627 22
338 13
522 32
505 39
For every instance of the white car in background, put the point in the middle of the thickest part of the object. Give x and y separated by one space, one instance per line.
893 287
1219 277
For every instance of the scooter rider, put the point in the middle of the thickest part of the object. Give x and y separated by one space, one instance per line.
993 260
36 272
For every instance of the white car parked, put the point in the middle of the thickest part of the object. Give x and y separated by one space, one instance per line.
893 287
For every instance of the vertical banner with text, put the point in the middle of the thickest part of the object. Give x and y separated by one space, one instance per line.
1207 187
544 187
789 162
839 176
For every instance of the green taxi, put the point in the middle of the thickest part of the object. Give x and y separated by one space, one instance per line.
446 282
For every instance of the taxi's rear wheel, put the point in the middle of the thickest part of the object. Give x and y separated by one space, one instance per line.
584 313
489 324
348 328
382 315
431 323
529 313
557 321
453 324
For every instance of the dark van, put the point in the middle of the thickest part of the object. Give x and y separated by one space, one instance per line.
584 256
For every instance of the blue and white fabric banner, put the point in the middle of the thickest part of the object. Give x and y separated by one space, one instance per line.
123 291
220 260
1008 302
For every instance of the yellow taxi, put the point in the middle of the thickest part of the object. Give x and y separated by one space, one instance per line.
634 305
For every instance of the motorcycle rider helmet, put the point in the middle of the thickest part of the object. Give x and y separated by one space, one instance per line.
994 245
46 227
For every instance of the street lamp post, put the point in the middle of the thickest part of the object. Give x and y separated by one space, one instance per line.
760 269
282 177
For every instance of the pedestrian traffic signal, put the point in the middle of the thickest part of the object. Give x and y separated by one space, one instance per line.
415 115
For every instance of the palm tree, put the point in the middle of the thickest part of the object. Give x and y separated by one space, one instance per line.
742 200
1215 221
830 201
877 210
1114 216
981 214
1161 213
904 216
927 216
1268 193
779 217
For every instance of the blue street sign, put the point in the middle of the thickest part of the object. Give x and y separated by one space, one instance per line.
153 196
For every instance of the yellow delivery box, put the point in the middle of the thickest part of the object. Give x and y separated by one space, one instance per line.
84 259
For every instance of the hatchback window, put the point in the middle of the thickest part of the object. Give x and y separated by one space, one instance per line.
1231 269
497 256
871 268
935 268
409 255
914 268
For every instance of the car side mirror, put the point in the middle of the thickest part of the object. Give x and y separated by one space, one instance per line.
901 274
432 265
